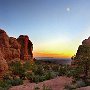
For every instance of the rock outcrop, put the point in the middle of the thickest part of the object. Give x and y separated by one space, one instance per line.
12 49
3 65
9 46
86 42
83 51
26 47
82 48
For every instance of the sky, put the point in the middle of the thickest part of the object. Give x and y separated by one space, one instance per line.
55 27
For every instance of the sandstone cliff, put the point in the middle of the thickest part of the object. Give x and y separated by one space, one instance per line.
83 52
82 48
12 48
26 47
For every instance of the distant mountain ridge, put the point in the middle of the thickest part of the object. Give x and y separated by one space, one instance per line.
55 60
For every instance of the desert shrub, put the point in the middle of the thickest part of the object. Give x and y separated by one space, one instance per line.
46 87
62 70
4 85
39 78
27 65
30 76
6 77
46 67
80 83
36 78
17 69
38 70
87 83
36 88
16 81
55 67
74 72
49 75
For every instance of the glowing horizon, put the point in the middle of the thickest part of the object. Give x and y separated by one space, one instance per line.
55 27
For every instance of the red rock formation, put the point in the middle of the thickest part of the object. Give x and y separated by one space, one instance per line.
3 65
82 52
10 48
26 47
86 42
4 39
13 49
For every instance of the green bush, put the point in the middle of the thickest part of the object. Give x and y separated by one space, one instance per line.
36 88
6 77
36 78
74 72
42 78
62 71
16 81
4 85
30 76
46 67
46 87
27 65
17 69
55 67
38 70
80 83
49 75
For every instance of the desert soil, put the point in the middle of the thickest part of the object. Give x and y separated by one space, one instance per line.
56 84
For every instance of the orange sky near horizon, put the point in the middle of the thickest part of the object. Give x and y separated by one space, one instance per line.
59 48
38 54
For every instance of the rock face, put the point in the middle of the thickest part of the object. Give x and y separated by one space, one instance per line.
83 51
86 42
12 48
82 48
26 47
9 46
3 65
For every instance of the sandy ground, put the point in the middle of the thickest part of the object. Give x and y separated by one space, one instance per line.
84 88
56 84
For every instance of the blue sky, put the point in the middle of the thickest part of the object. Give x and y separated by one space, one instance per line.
56 27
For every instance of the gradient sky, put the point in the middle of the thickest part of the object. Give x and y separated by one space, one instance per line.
56 27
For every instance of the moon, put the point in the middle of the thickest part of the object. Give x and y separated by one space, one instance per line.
68 9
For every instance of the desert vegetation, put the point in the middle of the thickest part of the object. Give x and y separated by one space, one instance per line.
34 72
40 71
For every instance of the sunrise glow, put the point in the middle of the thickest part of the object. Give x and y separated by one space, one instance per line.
55 27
